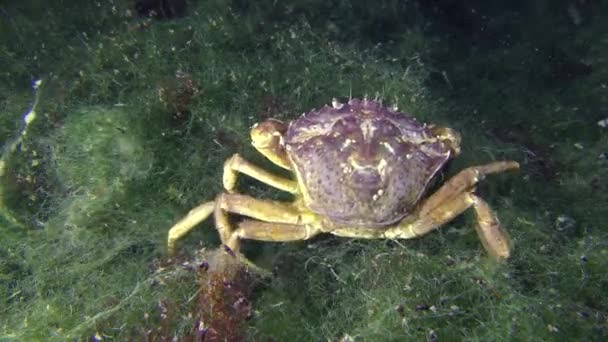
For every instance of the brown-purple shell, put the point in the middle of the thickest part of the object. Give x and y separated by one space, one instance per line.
361 163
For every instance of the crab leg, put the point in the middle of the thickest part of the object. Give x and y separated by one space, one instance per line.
494 239
266 231
463 181
265 210
451 200
237 164
266 138
449 137
185 225
270 211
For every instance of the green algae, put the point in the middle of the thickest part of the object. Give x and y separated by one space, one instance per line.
116 167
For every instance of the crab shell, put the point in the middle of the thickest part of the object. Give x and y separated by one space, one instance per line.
363 164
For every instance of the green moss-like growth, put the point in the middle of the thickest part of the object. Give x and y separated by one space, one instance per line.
96 154
136 117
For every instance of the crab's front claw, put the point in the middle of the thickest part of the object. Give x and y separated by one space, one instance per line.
449 137
267 133
267 138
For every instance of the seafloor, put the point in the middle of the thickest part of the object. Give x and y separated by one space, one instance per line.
136 111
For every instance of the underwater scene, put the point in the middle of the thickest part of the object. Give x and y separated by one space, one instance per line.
233 170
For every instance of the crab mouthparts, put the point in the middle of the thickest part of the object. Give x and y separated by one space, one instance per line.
366 179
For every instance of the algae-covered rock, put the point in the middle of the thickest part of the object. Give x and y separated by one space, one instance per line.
76 168
94 156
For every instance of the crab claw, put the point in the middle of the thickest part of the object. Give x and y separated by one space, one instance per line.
449 137
265 134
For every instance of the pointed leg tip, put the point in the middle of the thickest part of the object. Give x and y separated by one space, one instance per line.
513 165
500 256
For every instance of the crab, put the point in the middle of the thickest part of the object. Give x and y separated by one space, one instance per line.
360 170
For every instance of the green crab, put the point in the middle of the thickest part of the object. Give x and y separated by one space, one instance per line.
360 170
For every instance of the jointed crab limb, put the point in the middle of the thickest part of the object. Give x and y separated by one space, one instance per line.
264 210
267 231
430 221
237 164
451 200
266 138
463 181
185 225
493 238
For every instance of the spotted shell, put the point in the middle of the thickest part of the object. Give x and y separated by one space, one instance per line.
361 163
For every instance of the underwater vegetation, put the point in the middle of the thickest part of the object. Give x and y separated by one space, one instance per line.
135 117
161 9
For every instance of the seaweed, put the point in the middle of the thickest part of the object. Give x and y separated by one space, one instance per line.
109 164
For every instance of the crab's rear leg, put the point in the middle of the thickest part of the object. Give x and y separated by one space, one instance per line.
453 198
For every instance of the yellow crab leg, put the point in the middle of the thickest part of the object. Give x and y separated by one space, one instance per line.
266 231
424 224
494 239
186 224
265 210
237 164
463 181
266 138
